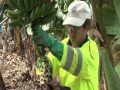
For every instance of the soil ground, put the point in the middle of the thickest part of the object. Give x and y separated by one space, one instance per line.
15 72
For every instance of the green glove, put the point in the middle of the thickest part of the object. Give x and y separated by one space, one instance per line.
40 37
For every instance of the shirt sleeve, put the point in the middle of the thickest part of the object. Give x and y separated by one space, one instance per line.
71 60
78 61
55 64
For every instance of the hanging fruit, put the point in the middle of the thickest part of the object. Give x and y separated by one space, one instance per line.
31 11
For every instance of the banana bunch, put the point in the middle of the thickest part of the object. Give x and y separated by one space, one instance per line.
16 16
23 5
32 11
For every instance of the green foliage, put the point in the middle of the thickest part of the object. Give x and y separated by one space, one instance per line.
110 20
117 69
107 12
117 7
63 5
116 43
113 82
107 18
117 39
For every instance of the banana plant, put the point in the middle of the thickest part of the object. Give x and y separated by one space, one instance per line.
28 12
107 16
113 82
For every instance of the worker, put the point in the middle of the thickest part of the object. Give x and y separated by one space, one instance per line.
76 59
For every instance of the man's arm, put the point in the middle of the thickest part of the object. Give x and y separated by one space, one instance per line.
70 58
40 37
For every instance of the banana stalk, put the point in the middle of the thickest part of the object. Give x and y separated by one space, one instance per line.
43 67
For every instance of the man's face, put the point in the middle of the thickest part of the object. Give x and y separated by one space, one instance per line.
76 33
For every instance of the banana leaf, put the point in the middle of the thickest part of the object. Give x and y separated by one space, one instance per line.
113 82
117 7
116 43
117 39
112 30
117 69
110 20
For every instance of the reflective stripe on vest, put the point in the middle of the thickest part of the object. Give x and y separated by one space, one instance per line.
79 64
70 58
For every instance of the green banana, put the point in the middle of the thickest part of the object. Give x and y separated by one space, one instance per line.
14 14
36 2
49 7
32 16
17 22
31 4
34 13
37 12
27 5
20 4
40 2
11 16
13 3
32 10
49 10
26 19
42 10
46 19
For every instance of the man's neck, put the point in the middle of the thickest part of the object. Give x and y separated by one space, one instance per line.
75 44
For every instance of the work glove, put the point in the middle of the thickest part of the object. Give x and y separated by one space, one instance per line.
41 38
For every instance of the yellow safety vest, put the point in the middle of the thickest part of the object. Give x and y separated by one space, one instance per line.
78 68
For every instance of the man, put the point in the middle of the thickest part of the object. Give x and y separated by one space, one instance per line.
76 59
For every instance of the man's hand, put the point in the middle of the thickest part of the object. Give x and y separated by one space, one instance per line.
41 38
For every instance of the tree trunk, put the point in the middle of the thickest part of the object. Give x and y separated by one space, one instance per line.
2 85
